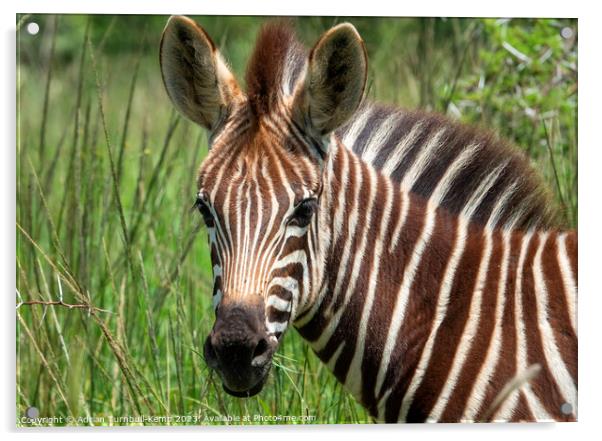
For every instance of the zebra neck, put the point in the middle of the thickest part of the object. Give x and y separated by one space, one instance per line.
407 306
377 238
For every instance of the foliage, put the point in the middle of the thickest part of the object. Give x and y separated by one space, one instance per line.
105 183
523 81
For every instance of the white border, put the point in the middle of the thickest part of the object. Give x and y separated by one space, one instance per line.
469 8
590 146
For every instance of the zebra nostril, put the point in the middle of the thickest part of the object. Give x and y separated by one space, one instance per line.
261 349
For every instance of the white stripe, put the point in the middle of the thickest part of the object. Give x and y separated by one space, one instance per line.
212 235
401 219
403 296
461 161
401 150
289 283
227 233
308 296
519 213
274 327
353 382
292 286
235 287
500 205
278 303
468 334
246 238
217 272
356 127
273 248
556 365
351 231
379 137
358 256
382 405
568 280
296 256
283 129
261 250
232 130
507 409
493 352
442 302
482 190
289 69
314 308
427 153
218 240
251 272
316 295
339 212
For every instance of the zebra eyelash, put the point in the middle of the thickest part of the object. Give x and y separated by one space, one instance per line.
201 205
198 201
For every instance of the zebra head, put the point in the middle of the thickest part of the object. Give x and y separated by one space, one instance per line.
259 187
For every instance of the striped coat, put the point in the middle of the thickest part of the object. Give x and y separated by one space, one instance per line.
449 310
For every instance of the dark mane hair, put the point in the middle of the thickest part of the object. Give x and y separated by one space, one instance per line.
529 202
274 66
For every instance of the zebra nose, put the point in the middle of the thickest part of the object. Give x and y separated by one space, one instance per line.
238 347
226 350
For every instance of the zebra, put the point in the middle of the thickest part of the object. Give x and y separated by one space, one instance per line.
419 258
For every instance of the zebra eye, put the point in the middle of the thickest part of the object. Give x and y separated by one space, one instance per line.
203 208
303 212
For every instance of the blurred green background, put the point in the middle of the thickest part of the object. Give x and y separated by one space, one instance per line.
105 182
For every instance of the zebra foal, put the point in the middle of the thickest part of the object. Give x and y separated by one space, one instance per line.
417 257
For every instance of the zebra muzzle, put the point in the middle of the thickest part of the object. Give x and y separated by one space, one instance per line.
239 349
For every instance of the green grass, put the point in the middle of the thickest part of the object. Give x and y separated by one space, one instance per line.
105 183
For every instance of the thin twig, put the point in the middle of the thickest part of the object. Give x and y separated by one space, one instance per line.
513 385
554 169
99 93
61 303
54 375
42 144
452 91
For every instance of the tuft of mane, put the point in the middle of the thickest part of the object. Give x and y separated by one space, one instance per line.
276 63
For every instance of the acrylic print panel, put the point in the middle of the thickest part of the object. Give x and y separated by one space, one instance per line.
251 220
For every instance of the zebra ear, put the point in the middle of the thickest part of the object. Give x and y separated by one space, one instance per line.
195 76
334 82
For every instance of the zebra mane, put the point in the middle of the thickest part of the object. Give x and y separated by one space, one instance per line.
275 65
417 149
